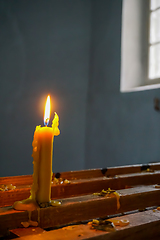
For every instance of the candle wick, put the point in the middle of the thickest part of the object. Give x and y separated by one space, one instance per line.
46 122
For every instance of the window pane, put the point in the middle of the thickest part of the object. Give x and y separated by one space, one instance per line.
154 61
155 4
155 26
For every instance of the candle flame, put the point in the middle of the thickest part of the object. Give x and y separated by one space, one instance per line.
47 111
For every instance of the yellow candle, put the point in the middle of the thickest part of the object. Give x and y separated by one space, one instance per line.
42 157
42 161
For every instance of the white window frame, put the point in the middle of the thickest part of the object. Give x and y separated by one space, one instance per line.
135 47
155 79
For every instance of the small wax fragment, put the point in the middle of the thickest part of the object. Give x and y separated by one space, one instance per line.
7 187
55 203
116 222
25 224
66 181
120 222
89 223
95 221
10 187
124 222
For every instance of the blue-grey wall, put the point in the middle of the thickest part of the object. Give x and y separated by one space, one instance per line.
122 128
70 49
44 48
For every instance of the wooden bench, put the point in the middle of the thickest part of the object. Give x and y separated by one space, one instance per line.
137 185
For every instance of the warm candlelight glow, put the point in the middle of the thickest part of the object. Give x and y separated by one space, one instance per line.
47 111
42 164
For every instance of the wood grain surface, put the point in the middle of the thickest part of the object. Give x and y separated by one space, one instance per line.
135 184
143 225
82 208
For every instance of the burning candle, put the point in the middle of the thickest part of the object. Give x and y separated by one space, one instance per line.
42 157
42 162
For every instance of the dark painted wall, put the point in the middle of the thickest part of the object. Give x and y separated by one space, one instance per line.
44 48
70 49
